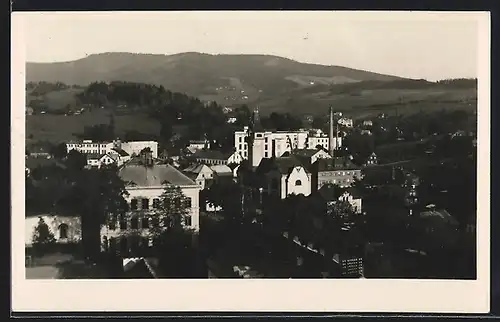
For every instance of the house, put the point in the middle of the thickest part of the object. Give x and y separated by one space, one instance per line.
94 160
347 122
372 160
309 156
367 123
196 145
122 155
199 173
212 157
39 151
231 120
284 176
145 180
66 229
131 147
333 193
366 132
338 171
222 172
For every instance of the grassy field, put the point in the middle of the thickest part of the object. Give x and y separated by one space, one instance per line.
60 128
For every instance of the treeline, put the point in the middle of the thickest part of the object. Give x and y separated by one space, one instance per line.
42 88
356 87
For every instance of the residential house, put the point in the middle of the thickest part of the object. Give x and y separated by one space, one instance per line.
222 172
333 193
39 151
372 160
146 179
199 173
367 123
196 145
309 156
347 122
338 171
132 147
284 176
212 157
94 160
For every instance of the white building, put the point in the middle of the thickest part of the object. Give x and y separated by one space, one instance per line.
347 122
286 176
212 157
146 178
132 147
200 173
283 142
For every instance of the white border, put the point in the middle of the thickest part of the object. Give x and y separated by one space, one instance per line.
429 296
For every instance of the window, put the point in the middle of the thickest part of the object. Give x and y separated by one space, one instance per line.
133 204
144 222
265 154
240 147
155 222
265 147
188 221
112 223
134 223
245 154
63 231
145 203
156 203
123 223
298 183
105 243
187 202
265 140
240 140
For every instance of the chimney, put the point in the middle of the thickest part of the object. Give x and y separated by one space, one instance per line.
330 141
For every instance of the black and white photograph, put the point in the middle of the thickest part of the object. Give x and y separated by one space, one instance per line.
337 147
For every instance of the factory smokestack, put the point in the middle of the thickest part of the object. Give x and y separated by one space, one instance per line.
331 146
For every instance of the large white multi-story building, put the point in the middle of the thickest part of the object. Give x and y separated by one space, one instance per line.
283 141
101 148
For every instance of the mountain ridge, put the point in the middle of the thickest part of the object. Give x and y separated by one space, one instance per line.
211 77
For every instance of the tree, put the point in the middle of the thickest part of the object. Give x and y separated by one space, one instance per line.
76 161
99 196
173 238
43 238
59 151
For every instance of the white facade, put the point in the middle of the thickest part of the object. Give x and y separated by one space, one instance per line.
235 158
135 147
283 142
355 202
132 147
346 122
321 154
66 229
151 194
88 146
298 181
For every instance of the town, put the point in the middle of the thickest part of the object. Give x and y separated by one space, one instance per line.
226 192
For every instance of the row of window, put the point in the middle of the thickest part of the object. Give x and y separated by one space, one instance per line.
143 204
136 222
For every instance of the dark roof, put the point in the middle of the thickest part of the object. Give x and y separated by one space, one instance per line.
283 164
336 163
211 154
137 269
135 173
121 152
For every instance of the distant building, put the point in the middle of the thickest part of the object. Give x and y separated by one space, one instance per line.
367 123
211 157
351 266
146 178
372 160
275 143
132 147
197 145
308 156
334 193
347 122
222 172
285 176
231 120
339 171
199 173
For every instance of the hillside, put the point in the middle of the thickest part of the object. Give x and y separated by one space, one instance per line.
227 79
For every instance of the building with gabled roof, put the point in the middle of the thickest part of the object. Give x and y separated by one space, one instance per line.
199 173
145 180
338 171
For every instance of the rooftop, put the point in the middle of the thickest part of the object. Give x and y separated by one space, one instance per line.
135 173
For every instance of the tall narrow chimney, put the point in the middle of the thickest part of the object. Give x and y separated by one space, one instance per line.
331 143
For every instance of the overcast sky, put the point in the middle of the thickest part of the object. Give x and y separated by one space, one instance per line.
408 44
